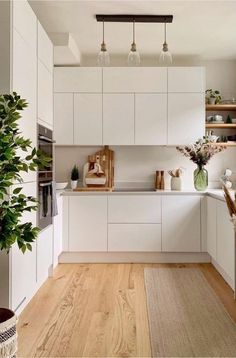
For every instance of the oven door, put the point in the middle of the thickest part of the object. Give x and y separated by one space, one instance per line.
45 204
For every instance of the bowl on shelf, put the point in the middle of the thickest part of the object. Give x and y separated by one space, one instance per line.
61 186
233 120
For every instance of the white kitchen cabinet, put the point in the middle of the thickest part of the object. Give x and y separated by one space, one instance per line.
118 119
58 231
63 118
186 79
134 209
134 237
78 79
24 65
186 117
45 95
211 226
181 223
88 223
151 119
87 119
135 80
25 23
23 267
225 240
45 48
44 254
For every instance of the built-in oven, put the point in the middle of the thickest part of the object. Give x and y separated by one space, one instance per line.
45 178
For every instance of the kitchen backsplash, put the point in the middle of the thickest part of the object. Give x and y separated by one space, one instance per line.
135 166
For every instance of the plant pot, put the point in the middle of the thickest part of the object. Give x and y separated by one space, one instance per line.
200 179
73 184
8 335
212 100
175 184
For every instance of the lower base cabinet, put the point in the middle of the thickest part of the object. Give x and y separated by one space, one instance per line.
58 231
134 237
44 254
225 250
181 223
87 223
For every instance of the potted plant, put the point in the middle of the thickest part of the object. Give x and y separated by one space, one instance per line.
213 97
200 153
74 177
16 156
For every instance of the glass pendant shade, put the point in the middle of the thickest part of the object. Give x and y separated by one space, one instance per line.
134 56
165 57
103 58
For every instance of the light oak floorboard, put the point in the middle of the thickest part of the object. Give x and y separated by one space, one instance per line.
97 310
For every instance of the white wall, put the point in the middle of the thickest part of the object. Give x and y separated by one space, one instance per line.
138 164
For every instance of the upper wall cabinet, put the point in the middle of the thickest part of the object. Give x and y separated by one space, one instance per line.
186 79
186 117
45 48
135 80
118 119
78 79
88 115
151 119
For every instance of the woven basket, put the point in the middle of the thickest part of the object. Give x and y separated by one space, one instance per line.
8 335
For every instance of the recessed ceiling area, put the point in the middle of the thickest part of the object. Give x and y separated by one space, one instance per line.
205 29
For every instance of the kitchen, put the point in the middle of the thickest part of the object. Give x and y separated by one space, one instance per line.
138 219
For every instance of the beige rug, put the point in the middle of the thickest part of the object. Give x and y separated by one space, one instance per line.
186 317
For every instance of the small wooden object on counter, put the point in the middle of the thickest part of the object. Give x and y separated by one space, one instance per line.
93 189
160 181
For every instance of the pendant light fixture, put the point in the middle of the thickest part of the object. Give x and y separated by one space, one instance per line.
133 56
165 57
103 56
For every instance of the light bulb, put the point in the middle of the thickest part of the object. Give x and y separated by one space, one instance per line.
103 56
134 56
165 57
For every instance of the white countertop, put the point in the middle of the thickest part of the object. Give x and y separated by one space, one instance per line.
215 193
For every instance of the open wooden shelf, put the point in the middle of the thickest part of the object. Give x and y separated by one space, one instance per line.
221 125
221 107
227 144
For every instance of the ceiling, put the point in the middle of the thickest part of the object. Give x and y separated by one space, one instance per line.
200 28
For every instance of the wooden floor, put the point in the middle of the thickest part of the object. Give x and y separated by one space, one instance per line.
96 310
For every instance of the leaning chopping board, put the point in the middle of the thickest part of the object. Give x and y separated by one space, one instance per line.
106 160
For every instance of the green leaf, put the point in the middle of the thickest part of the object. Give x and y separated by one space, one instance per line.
17 190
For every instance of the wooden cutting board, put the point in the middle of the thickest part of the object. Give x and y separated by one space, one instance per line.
106 160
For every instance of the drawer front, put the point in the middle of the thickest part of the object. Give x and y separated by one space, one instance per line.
134 209
134 237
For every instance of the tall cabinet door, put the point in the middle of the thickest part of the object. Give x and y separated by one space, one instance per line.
87 119
186 117
24 82
118 119
151 119
64 118
23 268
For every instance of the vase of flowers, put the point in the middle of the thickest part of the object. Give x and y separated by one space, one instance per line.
200 153
200 176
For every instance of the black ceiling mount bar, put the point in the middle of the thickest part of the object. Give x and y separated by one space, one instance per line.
136 18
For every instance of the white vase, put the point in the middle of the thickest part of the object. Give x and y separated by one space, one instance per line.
175 184
73 184
212 100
